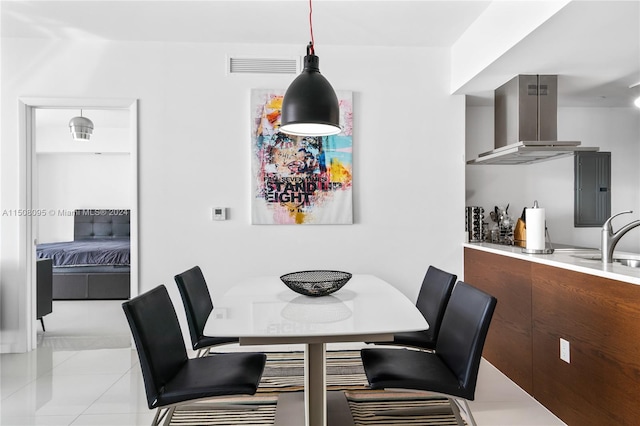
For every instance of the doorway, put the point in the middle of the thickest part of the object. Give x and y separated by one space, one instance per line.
120 145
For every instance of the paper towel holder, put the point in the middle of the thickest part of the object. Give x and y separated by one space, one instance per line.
546 250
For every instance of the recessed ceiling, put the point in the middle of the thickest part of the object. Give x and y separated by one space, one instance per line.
354 23
593 46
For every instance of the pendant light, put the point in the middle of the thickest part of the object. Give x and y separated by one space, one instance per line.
310 105
81 128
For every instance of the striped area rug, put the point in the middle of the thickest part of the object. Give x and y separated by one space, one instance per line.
284 373
261 410
368 407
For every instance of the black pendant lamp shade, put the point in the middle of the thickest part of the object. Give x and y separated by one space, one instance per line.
310 105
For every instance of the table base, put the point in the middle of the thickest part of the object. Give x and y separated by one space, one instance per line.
290 409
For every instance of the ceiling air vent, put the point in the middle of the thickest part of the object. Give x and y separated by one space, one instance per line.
263 66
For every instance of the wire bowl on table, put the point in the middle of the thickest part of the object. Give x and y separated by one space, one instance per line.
316 283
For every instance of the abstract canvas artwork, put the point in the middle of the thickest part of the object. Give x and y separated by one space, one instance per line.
299 180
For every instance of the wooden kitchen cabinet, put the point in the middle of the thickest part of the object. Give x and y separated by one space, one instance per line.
509 280
600 318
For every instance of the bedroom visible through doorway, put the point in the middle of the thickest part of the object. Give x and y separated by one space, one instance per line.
87 193
84 190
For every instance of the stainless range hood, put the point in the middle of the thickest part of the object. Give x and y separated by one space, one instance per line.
526 123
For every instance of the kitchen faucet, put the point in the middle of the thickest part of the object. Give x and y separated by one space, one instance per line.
610 239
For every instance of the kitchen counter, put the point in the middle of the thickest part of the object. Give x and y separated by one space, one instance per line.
572 259
549 300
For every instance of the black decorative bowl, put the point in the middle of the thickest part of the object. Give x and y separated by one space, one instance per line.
316 283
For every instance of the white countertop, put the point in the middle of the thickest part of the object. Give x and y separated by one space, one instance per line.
578 260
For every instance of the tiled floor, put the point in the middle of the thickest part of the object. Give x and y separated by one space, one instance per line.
85 372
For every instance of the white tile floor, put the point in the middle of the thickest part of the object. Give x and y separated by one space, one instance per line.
85 372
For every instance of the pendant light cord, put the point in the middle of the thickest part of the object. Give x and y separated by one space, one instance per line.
312 42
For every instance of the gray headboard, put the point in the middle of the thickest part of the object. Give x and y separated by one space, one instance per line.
107 223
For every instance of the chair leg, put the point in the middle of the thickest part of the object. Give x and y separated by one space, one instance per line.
455 408
157 417
203 352
466 409
42 322
169 415
163 413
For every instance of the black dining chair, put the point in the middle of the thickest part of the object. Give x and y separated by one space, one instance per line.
197 306
432 299
170 377
452 369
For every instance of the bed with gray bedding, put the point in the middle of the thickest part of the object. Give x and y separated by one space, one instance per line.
96 264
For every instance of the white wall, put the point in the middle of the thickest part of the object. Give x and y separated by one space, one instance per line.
616 130
69 181
194 154
72 175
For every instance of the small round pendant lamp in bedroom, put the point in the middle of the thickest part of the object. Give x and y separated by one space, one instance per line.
310 105
81 128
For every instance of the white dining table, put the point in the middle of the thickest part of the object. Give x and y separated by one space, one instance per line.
263 311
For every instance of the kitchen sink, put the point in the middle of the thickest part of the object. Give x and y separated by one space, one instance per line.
632 262
587 256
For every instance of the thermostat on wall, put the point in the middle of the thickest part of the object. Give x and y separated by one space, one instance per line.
219 213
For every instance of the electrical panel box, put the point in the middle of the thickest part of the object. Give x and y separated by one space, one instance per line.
592 188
